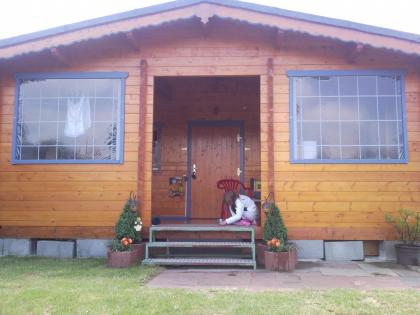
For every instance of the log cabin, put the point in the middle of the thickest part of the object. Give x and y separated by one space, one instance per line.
323 113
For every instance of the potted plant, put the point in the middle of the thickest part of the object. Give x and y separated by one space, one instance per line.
126 248
407 226
279 255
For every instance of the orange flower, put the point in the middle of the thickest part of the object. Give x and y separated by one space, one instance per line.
130 240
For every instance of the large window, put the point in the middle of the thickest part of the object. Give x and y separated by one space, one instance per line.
69 118
347 117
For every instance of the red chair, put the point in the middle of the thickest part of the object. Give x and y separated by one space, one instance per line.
231 185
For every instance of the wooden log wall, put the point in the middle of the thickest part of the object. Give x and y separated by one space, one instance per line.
341 201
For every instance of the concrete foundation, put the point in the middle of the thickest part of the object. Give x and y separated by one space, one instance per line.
309 249
92 248
344 250
387 250
17 247
56 249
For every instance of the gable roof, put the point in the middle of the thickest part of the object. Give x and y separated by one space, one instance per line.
398 36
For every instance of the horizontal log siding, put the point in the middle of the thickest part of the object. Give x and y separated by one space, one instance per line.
317 201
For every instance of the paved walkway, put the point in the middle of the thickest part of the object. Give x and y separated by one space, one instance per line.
316 275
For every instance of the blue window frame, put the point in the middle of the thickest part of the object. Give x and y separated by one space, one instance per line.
69 118
347 117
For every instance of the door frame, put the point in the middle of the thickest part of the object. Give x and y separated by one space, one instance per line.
212 123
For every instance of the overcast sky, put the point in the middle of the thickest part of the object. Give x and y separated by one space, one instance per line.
25 16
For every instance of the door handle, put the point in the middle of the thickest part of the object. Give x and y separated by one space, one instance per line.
194 172
238 171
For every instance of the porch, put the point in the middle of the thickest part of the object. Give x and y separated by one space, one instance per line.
205 129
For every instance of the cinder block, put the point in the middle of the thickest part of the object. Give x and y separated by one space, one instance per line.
57 249
17 247
387 250
309 249
344 250
92 248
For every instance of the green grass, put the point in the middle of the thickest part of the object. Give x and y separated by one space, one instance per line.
49 286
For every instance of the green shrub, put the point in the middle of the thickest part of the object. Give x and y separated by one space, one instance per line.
407 225
274 226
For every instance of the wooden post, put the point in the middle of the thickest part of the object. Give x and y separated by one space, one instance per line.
141 137
270 135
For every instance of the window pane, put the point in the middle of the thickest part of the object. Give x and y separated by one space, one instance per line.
386 85
64 119
48 133
330 133
329 86
63 138
349 133
367 108
84 153
330 153
329 108
103 134
349 108
348 85
310 108
30 110
367 85
310 86
30 133
105 110
388 132
104 153
49 110
311 132
29 153
387 108
390 152
370 152
369 133
66 153
48 153
309 151
350 153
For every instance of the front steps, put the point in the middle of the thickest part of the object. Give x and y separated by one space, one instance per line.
200 257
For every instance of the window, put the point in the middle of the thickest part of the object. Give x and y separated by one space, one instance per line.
69 118
347 117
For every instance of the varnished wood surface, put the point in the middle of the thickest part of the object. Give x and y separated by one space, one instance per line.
344 201
215 152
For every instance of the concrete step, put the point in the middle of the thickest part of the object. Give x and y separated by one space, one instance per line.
200 261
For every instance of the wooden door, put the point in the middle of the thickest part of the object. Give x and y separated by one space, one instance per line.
216 155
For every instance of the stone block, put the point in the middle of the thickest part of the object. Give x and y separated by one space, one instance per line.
387 250
343 250
309 249
92 248
17 247
57 249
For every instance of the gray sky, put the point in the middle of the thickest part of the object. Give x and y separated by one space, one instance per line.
25 16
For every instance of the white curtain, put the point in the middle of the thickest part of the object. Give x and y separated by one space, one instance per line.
78 117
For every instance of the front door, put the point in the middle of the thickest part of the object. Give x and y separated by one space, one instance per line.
215 155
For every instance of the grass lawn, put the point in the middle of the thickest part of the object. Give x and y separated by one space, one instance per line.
49 286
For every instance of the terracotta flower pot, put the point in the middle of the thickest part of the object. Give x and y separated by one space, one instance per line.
271 260
280 261
261 248
287 260
140 251
122 259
